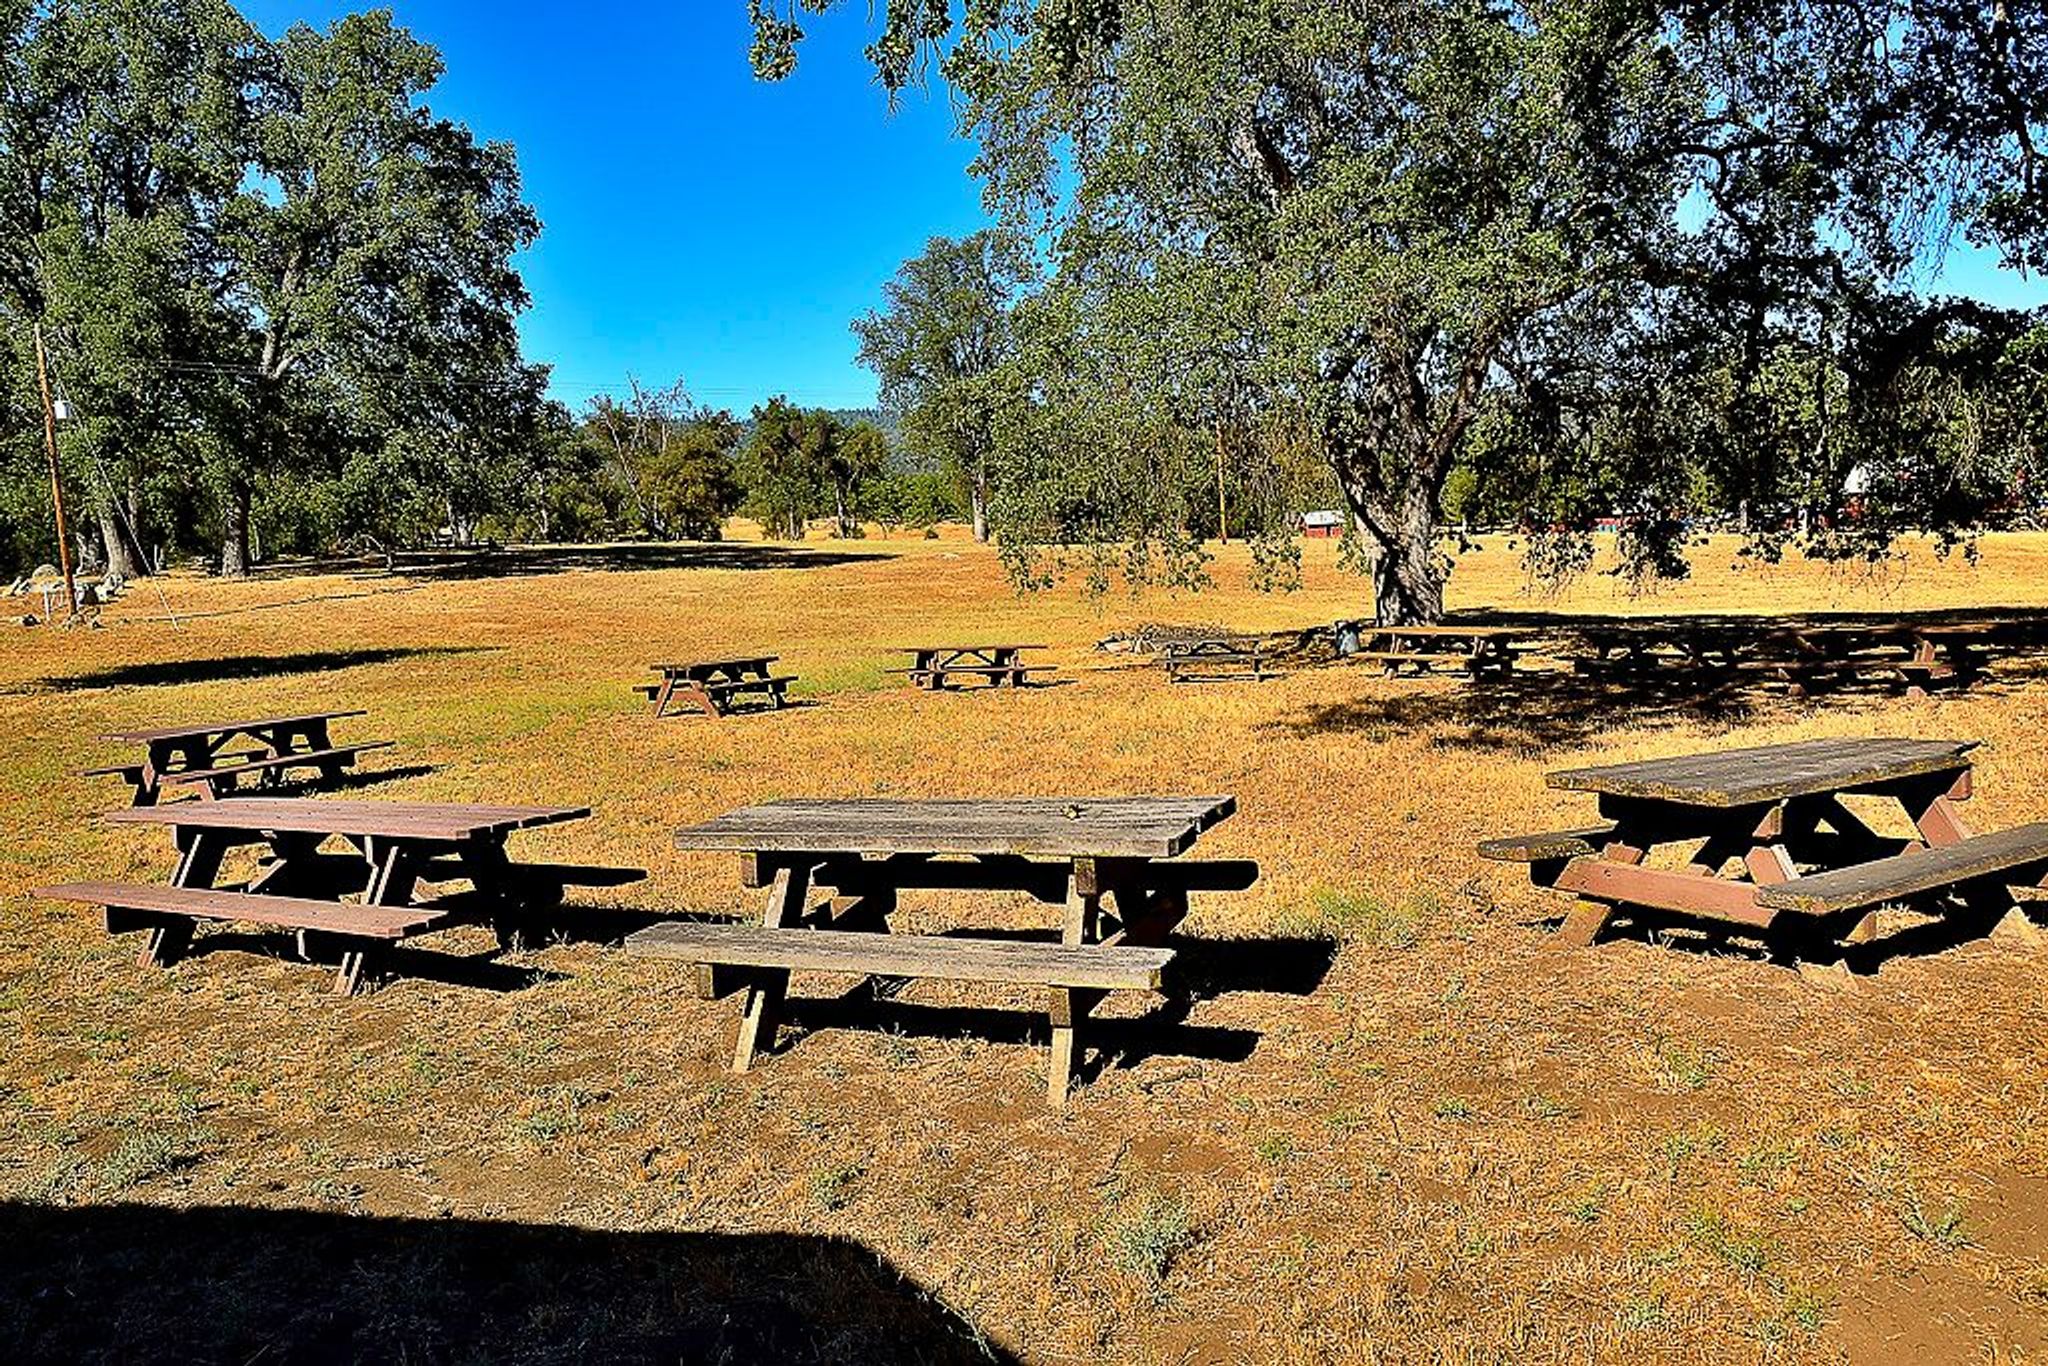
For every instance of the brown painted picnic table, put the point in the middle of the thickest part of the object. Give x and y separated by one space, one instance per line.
1804 656
388 851
1477 651
198 753
1111 864
715 685
1764 840
936 666
1215 659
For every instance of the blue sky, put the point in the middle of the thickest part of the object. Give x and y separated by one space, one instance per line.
699 223
695 222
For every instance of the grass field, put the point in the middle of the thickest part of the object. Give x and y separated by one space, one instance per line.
1394 1126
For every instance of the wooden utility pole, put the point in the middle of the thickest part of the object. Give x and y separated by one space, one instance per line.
56 483
1222 500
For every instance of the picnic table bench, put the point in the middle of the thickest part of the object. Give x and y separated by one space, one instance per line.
717 685
389 850
1075 853
1803 657
199 756
1766 842
936 666
1476 651
1215 659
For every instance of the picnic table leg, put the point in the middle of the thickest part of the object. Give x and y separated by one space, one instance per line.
767 987
199 862
1934 810
663 694
1069 1005
1587 918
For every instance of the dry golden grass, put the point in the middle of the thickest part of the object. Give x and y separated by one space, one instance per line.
1459 1146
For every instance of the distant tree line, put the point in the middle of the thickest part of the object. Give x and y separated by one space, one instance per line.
278 295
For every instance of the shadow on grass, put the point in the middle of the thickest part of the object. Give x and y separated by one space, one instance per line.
1943 929
527 561
141 1284
166 673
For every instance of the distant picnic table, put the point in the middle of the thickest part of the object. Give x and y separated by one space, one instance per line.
717 685
1111 864
935 667
1920 656
201 755
389 850
1779 853
1197 659
1474 650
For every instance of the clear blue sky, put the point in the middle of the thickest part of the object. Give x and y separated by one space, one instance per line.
695 222
699 223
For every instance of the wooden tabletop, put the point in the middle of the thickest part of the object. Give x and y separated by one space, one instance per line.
1054 827
729 662
961 649
144 737
1767 773
391 820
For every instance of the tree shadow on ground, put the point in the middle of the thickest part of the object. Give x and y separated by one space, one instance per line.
141 1284
171 672
1535 710
528 561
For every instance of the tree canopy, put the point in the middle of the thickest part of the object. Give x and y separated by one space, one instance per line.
1641 258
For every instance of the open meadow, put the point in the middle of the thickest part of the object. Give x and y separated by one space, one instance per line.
1392 1124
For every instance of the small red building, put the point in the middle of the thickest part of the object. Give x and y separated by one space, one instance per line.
1322 525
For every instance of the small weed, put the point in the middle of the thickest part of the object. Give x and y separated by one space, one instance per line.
832 1187
1763 1162
147 1153
1689 1143
56 1181
1453 1107
897 1049
1144 1246
1685 1067
1550 1107
1589 1204
1746 1252
1639 1312
1943 1228
1274 1149
333 1190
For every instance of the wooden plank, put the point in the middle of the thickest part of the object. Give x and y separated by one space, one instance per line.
1742 777
200 729
1068 827
2022 849
865 954
261 763
334 917
1625 884
1546 845
328 816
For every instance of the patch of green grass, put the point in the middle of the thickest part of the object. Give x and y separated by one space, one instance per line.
831 1188
1685 1067
1762 1162
1361 917
1709 1230
1639 1312
1453 1107
1686 1144
1274 1149
1145 1244
1550 1107
1589 1204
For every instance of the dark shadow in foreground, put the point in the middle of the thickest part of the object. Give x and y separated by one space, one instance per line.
175 671
137 1283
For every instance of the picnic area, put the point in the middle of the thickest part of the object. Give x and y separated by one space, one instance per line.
1374 1097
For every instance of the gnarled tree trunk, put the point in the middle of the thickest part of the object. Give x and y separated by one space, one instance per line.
234 530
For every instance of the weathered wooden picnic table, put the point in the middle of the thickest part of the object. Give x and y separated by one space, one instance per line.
198 754
1215 659
1643 645
1804 656
389 849
1076 853
716 685
1762 839
1477 651
936 666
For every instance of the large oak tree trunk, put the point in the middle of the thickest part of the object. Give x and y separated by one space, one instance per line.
234 530
125 555
1408 576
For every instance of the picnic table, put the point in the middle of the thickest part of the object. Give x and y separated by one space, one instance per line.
716 685
1476 651
389 850
1215 659
1804 656
1779 853
1111 864
936 666
198 755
